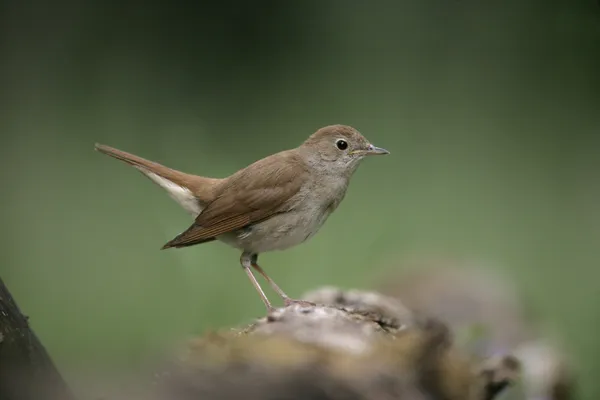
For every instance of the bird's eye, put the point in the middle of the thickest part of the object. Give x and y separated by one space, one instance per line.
341 144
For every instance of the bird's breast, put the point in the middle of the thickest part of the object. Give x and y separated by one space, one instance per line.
303 217
281 231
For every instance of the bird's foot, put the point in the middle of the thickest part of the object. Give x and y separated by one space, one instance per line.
271 311
288 302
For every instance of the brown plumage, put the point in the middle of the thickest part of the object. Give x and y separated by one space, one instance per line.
275 203
249 196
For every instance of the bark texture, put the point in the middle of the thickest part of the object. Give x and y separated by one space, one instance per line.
353 345
350 345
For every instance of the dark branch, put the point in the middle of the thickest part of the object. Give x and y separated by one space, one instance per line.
26 370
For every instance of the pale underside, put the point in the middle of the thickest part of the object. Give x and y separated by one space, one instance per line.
183 196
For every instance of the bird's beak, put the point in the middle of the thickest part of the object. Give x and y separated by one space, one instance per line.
373 150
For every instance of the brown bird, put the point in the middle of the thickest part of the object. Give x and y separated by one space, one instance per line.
273 204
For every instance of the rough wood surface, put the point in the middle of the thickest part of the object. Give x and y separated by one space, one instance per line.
355 345
490 315
26 370
352 345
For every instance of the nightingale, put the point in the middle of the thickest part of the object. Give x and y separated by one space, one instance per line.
272 204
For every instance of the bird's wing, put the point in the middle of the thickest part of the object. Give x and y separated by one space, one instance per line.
251 195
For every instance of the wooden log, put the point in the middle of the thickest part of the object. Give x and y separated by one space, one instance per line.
352 345
359 346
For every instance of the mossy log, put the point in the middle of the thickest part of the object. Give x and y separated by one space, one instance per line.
350 345
355 345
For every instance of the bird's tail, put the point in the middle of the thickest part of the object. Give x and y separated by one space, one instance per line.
190 191
140 163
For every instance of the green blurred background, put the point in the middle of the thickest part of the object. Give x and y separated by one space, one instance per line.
491 111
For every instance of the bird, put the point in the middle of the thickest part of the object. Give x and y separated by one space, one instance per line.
275 203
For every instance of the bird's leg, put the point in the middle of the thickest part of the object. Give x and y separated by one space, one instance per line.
287 300
276 288
246 261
